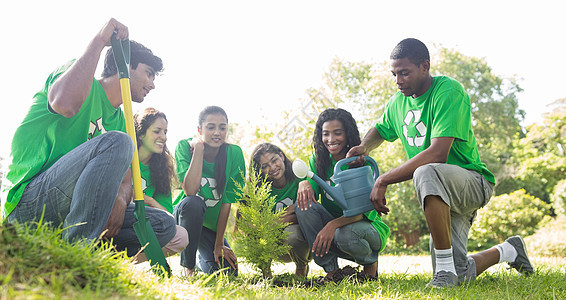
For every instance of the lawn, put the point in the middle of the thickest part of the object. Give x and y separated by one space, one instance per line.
36 264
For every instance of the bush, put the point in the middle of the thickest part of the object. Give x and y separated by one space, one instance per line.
558 198
259 234
544 241
510 214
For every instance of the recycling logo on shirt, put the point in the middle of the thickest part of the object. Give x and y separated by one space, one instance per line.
415 137
283 204
211 182
95 127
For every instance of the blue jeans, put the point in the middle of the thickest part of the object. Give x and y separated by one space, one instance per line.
190 215
358 242
81 187
163 224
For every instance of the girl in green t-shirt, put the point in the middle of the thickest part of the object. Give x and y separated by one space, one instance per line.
157 169
331 235
209 170
268 160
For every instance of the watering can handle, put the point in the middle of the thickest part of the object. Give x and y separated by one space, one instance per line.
339 164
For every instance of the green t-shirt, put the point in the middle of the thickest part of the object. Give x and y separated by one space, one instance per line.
286 196
333 208
44 136
442 111
235 167
148 189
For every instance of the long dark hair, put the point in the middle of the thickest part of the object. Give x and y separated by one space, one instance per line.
221 158
261 149
161 165
323 160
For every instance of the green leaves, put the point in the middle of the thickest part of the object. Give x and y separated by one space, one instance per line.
260 234
505 216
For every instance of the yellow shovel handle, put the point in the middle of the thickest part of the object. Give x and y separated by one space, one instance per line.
136 172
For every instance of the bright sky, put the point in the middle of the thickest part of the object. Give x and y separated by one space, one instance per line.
257 58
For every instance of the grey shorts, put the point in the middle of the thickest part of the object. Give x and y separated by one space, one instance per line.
465 191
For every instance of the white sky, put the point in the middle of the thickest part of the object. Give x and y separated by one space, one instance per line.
257 58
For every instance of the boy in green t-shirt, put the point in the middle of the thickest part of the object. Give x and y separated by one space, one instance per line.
70 155
432 118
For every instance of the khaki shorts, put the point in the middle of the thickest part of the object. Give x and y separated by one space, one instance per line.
465 191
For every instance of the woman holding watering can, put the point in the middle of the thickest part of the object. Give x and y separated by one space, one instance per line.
209 169
358 238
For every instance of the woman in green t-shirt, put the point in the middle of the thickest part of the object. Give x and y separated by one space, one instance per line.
331 235
208 169
268 160
157 169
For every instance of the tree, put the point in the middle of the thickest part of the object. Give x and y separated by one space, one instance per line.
259 234
539 159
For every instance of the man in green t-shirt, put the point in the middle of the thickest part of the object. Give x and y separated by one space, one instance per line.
70 155
432 118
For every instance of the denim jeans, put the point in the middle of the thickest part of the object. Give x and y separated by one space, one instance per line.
190 215
162 222
358 242
80 187
78 191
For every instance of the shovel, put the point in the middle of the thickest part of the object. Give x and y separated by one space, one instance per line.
142 226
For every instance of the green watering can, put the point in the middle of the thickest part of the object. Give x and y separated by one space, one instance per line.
353 186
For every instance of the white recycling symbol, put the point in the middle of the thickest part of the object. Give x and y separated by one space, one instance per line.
414 117
283 203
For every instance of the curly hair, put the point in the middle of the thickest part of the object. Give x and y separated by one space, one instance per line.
323 160
138 54
261 149
162 165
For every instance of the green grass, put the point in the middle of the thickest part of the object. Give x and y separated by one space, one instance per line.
548 283
35 263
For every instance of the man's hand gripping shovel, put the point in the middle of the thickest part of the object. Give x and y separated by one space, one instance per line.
142 226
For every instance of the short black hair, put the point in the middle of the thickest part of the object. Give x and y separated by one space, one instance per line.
412 49
138 54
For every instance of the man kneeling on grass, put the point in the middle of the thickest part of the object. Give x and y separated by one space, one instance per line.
432 118
71 155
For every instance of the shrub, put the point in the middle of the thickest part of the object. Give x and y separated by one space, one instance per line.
558 198
259 234
509 214
544 241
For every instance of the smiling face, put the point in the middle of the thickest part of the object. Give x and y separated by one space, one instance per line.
334 139
412 80
213 130
273 166
153 141
141 82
